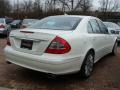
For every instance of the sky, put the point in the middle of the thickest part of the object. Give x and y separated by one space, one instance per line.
96 4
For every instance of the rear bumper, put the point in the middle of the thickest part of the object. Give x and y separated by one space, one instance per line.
14 26
44 63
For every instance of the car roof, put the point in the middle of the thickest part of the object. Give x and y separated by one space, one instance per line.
80 16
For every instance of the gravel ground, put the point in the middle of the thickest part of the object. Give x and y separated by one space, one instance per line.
106 76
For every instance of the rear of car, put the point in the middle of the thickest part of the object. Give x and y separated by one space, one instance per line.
113 29
45 46
4 26
16 24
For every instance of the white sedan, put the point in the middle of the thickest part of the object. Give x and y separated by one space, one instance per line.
61 45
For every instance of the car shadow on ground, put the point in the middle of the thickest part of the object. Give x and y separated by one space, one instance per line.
36 76
3 36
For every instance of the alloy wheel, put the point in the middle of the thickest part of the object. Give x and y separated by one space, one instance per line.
89 64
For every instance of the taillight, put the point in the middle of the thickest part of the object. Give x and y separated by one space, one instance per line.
8 42
2 26
58 46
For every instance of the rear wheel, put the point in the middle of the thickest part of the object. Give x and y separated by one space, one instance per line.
87 66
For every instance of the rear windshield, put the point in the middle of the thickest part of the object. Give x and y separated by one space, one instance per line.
1 20
57 23
16 21
27 21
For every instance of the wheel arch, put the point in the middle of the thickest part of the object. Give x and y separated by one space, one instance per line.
90 50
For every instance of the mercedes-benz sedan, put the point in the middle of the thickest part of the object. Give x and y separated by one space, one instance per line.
61 45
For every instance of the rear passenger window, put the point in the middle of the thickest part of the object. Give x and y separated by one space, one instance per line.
95 26
103 28
89 28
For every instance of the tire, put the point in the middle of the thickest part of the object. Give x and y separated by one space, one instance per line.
87 66
114 50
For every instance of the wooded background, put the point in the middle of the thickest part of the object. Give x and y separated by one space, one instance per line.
108 10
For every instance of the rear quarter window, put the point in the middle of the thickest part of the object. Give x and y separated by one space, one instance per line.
89 28
95 26
103 28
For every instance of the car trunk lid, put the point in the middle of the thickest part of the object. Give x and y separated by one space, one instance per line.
32 41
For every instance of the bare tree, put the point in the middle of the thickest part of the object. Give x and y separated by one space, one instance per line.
27 5
51 5
109 5
83 5
65 4
37 8
48 5
5 7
